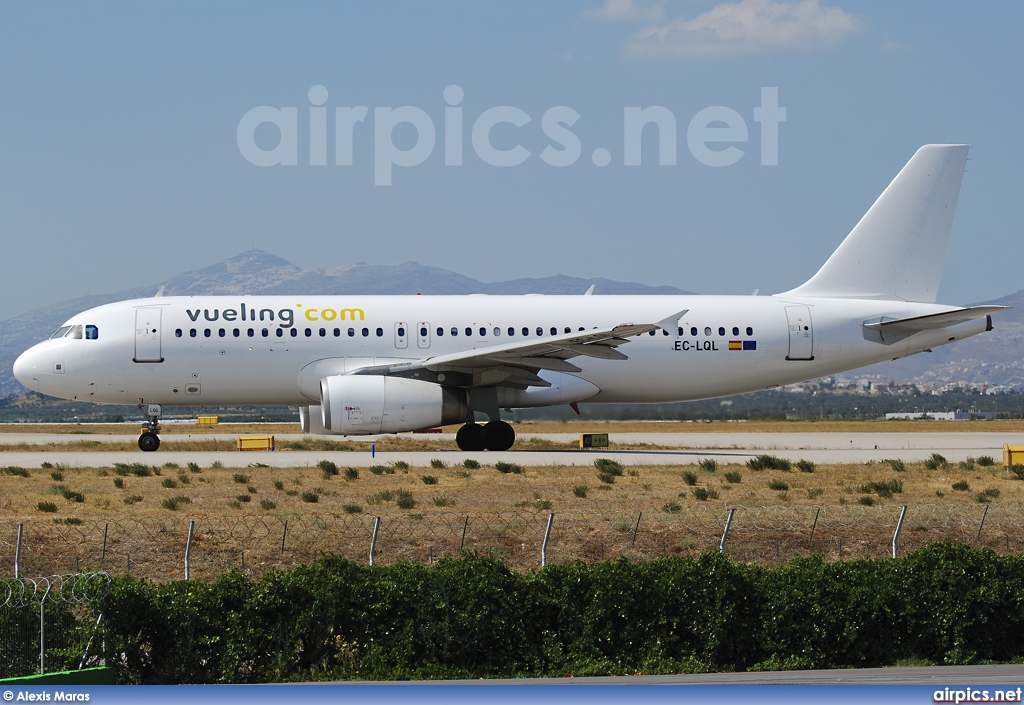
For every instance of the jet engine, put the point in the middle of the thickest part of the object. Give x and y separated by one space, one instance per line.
359 405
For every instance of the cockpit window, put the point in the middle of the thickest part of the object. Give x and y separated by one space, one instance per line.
60 332
75 332
92 332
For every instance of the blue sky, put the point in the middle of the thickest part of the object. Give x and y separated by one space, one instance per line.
121 164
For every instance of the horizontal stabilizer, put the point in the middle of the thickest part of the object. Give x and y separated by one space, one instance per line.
935 320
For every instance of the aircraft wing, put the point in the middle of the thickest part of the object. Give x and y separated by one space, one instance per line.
935 320
516 364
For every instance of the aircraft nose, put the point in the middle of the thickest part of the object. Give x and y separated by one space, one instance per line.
26 370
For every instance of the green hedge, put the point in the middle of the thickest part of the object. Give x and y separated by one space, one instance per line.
473 617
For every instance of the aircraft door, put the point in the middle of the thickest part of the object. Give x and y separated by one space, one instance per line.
147 334
423 334
401 335
801 333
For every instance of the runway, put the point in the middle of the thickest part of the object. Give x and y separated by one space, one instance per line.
662 449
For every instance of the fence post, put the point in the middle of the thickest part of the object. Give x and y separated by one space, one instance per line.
636 529
464 527
106 527
284 535
725 534
188 549
373 541
815 524
17 553
982 526
42 627
899 525
544 546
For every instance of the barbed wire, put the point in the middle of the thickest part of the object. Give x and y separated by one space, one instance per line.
66 588
155 547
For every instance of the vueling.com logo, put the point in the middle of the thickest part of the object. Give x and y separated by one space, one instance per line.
285 316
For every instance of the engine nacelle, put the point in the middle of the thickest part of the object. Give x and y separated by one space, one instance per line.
311 420
360 405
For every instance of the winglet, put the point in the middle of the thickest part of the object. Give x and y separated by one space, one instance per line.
590 291
671 323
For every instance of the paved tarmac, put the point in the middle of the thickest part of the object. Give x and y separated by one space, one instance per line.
672 449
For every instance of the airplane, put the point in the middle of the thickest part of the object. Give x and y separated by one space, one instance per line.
362 365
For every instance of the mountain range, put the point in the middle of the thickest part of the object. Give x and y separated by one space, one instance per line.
996 358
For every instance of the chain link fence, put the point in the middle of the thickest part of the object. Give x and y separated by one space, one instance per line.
46 624
156 548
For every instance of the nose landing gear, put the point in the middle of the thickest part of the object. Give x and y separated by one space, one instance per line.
149 441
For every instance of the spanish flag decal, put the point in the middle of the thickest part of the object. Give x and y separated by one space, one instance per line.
743 345
735 344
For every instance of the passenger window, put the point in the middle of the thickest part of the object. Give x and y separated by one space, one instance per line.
323 332
511 331
735 330
337 332
526 331
351 332
440 331
652 332
177 333
266 333
366 332
92 332
235 332
401 331
568 329
721 330
280 332
251 333
540 331
693 331
483 332
707 330
192 333
469 331
423 332
380 332
295 332
750 331
222 332
679 331
554 331
455 331
309 332
497 331
207 332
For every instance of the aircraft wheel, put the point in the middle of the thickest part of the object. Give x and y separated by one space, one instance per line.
499 435
470 437
149 441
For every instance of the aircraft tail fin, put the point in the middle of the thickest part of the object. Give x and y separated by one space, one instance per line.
897 249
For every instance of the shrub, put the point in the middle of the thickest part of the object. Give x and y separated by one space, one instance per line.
962 486
67 493
385 496
244 498
1018 471
609 466
689 477
405 500
444 501
352 508
119 483
71 521
351 474
703 494
133 499
805 465
278 485
778 486
966 464
733 477
768 462
429 479
216 464
173 503
437 463
542 504
400 465
867 500
382 470
310 497
16 471
169 483
936 462
137 469
170 466
896 464
580 491
250 489
672 508
986 461
606 477
183 478
57 475
240 478
884 489
815 492
708 464
507 468
327 468
46 507
267 505
194 467
987 495
470 464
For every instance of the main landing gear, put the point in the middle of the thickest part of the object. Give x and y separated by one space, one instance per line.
494 435
149 441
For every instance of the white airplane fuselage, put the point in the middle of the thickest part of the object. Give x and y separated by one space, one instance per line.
723 345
